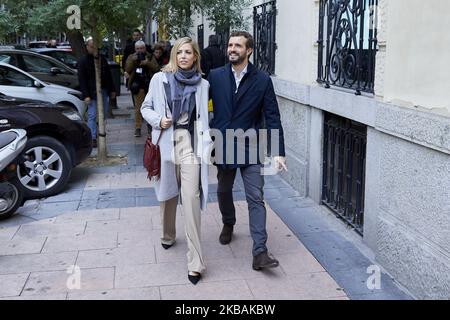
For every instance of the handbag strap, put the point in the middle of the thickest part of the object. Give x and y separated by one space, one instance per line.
159 138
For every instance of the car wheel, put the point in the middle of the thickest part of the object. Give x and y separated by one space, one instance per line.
47 169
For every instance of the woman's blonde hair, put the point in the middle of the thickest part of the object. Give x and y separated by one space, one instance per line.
172 66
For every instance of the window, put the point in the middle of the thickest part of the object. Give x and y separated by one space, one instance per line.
37 64
11 77
347 44
344 169
264 23
65 58
8 58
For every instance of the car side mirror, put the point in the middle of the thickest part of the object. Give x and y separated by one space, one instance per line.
55 71
37 84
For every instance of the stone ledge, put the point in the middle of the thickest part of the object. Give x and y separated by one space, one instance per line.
416 126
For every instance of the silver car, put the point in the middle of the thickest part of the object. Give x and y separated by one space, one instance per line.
43 67
17 83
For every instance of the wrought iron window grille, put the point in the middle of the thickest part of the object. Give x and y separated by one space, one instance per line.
264 32
347 44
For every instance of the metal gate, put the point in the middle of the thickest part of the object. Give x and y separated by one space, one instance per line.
344 168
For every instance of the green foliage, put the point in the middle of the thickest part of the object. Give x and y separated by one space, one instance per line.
176 15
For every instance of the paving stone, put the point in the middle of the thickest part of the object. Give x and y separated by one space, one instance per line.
58 207
137 224
67 196
117 203
25 263
299 263
118 256
54 296
237 269
6 233
151 293
221 290
12 285
146 202
129 239
22 246
148 275
298 287
60 281
82 242
54 229
139 213
89 215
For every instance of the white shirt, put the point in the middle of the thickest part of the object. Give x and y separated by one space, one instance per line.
239 79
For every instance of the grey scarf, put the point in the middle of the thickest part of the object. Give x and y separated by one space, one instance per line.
182 87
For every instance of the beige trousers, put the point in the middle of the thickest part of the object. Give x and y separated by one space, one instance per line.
188 178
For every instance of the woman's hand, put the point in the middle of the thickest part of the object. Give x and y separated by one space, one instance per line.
165 123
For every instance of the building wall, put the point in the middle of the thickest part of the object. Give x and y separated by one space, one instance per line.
417 52
407 209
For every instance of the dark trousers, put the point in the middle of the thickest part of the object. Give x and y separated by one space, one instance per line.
253 185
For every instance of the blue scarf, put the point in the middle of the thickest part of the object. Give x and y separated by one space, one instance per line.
183 84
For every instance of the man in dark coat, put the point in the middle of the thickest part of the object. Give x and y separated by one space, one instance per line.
244 103
212 56
86 78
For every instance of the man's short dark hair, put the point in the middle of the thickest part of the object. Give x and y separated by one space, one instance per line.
250 42
137 30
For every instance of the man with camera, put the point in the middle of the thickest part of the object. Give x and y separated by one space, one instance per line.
141 66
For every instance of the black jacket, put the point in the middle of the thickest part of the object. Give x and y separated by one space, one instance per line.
212 58
86 76
253 107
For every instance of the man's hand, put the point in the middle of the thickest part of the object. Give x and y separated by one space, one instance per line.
165 123
87 100
113 95
280 163
126 75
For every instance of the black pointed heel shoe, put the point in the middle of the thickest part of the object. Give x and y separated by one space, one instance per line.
194 279
166 246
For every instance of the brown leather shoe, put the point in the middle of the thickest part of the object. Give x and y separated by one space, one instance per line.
226 234
264 260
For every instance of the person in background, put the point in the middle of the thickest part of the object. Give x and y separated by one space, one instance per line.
86 78
141 66
212 56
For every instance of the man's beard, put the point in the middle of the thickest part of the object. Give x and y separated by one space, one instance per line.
238 61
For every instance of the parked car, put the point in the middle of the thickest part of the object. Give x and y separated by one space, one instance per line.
17 83
58 140
65 56
38 44
42 67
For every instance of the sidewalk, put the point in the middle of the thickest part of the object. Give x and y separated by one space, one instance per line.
107 223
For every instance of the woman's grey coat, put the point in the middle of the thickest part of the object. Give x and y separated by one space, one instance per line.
155 106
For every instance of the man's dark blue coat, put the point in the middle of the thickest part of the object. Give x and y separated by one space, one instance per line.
253 106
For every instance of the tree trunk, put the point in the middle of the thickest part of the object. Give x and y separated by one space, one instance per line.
77 43
102 153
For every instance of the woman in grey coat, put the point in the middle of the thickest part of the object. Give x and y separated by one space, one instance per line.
176 107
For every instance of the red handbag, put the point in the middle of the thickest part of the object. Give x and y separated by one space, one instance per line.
152 158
